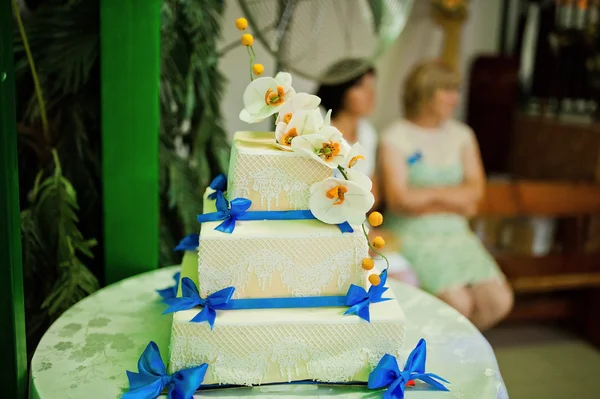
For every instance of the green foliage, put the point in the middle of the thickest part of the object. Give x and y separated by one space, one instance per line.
54 205
63 38
60 174
194 147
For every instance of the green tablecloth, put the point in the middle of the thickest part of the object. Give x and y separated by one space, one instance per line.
86 352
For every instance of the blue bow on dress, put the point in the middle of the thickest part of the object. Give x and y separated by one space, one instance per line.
152 378
414 158
189 243
191 298
359 299
170 292
387 374
219 183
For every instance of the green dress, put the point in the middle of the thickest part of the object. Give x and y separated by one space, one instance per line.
442 249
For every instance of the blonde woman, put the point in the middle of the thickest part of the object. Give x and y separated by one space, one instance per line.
432 179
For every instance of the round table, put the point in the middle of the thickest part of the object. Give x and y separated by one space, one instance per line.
86 351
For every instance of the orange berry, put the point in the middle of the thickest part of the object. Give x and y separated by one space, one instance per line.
378 242
247 39
241 23
368 263
375 219
258 69
374 279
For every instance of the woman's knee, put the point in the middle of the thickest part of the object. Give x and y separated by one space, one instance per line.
493 300
460 299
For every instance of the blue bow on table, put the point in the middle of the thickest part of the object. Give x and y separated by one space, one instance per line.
191 298
387 374
189 243
219 183
170 292
152 378
359 299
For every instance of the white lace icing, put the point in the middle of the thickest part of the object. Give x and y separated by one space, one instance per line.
320 351
338 368
274 266
274 180
230 368
289 354
263 264
270 182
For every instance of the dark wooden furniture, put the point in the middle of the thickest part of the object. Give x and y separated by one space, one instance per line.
549 148
563 285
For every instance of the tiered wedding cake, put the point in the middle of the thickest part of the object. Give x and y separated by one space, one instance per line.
285 289
280 258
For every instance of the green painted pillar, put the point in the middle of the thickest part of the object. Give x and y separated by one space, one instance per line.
130 61
13 378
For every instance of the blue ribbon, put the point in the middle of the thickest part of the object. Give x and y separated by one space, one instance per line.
189 243
219 183
229 213
170 292
359 299
387 374
414 158
152 378
191 298
286 303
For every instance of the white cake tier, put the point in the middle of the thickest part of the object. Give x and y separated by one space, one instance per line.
251 347
267 259
273 179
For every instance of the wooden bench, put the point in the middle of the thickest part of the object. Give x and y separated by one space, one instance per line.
562 285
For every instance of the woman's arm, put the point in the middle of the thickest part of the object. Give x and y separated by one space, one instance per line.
398 196
462 199
467 195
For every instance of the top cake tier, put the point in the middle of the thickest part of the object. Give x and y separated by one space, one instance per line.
273 179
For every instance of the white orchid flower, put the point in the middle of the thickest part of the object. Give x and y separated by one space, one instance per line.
301 123
335 201
299 102
265 96
354 156
327 146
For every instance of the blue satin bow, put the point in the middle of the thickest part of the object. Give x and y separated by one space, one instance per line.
189 243
170 292
359 299
191 298
387 374
152 378
228 212
219 183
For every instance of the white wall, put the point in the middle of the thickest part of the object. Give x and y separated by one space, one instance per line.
421 38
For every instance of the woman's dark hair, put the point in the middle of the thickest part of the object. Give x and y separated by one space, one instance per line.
333 94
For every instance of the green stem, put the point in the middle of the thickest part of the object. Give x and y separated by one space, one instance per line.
34 75
342 171
252 56
58 169
387 262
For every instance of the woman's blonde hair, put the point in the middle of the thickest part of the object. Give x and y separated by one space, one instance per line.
423 81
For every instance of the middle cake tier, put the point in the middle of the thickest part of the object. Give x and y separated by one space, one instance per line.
269 259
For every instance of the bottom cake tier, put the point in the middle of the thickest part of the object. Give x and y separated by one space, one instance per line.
252 347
